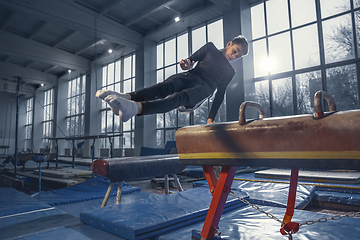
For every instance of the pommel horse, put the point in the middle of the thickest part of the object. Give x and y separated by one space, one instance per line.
134 168
324 140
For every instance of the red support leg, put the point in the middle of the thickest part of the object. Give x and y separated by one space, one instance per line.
292 195
220 190
210 174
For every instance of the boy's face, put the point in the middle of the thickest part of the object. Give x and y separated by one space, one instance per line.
232 52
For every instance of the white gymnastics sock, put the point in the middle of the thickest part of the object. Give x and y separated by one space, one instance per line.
126 109
104 93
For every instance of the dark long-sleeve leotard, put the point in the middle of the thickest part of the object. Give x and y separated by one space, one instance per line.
213 68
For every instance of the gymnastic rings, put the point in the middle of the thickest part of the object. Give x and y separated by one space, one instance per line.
318 104
244 105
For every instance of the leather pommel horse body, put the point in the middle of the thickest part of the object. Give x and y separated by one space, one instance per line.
322 141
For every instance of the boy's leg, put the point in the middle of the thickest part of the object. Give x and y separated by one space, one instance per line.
184 90
126 109
174 83
164 105
188 97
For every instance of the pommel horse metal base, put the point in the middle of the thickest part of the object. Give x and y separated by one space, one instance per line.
322 141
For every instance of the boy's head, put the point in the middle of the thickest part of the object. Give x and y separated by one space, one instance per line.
236 49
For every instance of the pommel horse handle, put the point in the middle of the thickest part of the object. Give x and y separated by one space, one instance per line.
244 105
318 104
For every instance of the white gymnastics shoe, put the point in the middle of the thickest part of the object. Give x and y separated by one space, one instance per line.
126 109
104 93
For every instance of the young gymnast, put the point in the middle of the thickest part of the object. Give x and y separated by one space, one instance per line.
183 90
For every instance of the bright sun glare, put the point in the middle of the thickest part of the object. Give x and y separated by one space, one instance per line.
268 64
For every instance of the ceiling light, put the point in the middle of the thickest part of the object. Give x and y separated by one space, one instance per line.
177 19
110 50
42 85
69 71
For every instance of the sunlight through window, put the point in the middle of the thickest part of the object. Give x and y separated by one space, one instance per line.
268 64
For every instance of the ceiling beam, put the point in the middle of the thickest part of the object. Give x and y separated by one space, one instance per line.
11 87
226 5
6 58
63 39
11 70
50 68
89 46
109 6
16 46
8 21
186 16
201 1
40 28
71 15
147 12
154 21
178 14
28 64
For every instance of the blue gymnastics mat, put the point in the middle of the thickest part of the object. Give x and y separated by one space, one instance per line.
158 214
249 224
15 202
63 233
76 208
94 188
21 215
274 194
338 197
270 193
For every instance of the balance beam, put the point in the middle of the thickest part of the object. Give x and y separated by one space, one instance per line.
135 168
322 140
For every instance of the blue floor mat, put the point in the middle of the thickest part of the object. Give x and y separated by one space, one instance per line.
14 202
274 194
94 188
338 197
322 186
271 193
155 215
76 208
65 233
35 217
249 224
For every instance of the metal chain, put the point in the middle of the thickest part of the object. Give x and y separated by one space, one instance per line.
256 207
335 217
320 220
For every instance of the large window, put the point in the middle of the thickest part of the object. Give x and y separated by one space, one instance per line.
48 117
297 54
118 76
76 106
169 53
29 124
